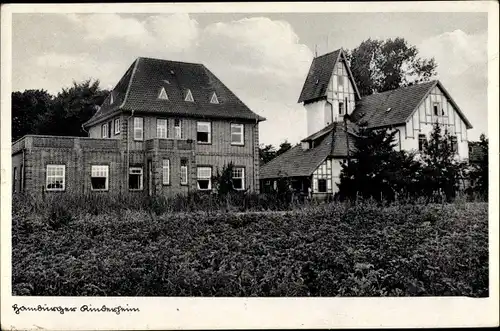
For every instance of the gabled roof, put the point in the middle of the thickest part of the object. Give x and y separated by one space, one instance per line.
138 91
403 102
319 76
297 162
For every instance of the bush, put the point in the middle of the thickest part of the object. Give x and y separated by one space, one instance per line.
362 249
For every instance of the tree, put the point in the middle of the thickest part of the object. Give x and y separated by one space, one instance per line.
374 169
479 174
266 153
71 108
441 170
284 146
382 65
269 152
27 106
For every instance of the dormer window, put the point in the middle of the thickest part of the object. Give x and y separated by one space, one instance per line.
111 98
214 99
189 96
163 94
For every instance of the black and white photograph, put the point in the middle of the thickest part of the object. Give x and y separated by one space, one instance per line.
274 159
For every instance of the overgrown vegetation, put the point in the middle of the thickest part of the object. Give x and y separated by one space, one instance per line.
337 249
376 170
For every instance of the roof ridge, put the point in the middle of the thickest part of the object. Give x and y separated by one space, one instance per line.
173 61
132 75
329 53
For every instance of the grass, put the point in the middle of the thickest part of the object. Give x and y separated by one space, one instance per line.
332 249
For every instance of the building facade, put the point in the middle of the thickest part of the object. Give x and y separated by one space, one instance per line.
329 94
166 128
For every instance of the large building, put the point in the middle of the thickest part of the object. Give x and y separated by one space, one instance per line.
165 129
328 94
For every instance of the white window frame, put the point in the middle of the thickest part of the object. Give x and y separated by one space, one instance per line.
96 170
104 130
139 128
189 96
161 128
184 174
242 177
136 171
178 128
50 175
241 128
166 172
203 177
209 126
117 125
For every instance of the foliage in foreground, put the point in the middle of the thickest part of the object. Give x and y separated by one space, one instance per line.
330 250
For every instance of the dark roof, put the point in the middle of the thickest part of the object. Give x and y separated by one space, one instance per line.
139 88
402 102
297 162
319 75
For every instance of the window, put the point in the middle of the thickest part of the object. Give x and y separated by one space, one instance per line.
189 96
177 128
204 178
184 172
99 177
166 171
203 134
110 123
214 99
340 81
454 144
421 141
163 94
104 129
161 128
138 128
111 100
14 180
322 185
238 178
436 108
341 108
117 125
237 134
55 177
135 178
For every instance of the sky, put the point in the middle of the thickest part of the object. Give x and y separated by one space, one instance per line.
262 57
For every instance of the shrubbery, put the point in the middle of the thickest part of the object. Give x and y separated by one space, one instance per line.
326 250
376 170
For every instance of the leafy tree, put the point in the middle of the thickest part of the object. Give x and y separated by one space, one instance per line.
382 65
284 146
71 108
27 106
223 180
479 173
376 170
269 152
266 153
441 170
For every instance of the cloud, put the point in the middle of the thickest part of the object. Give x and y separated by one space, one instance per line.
175 32
463 69
261 60
456 51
